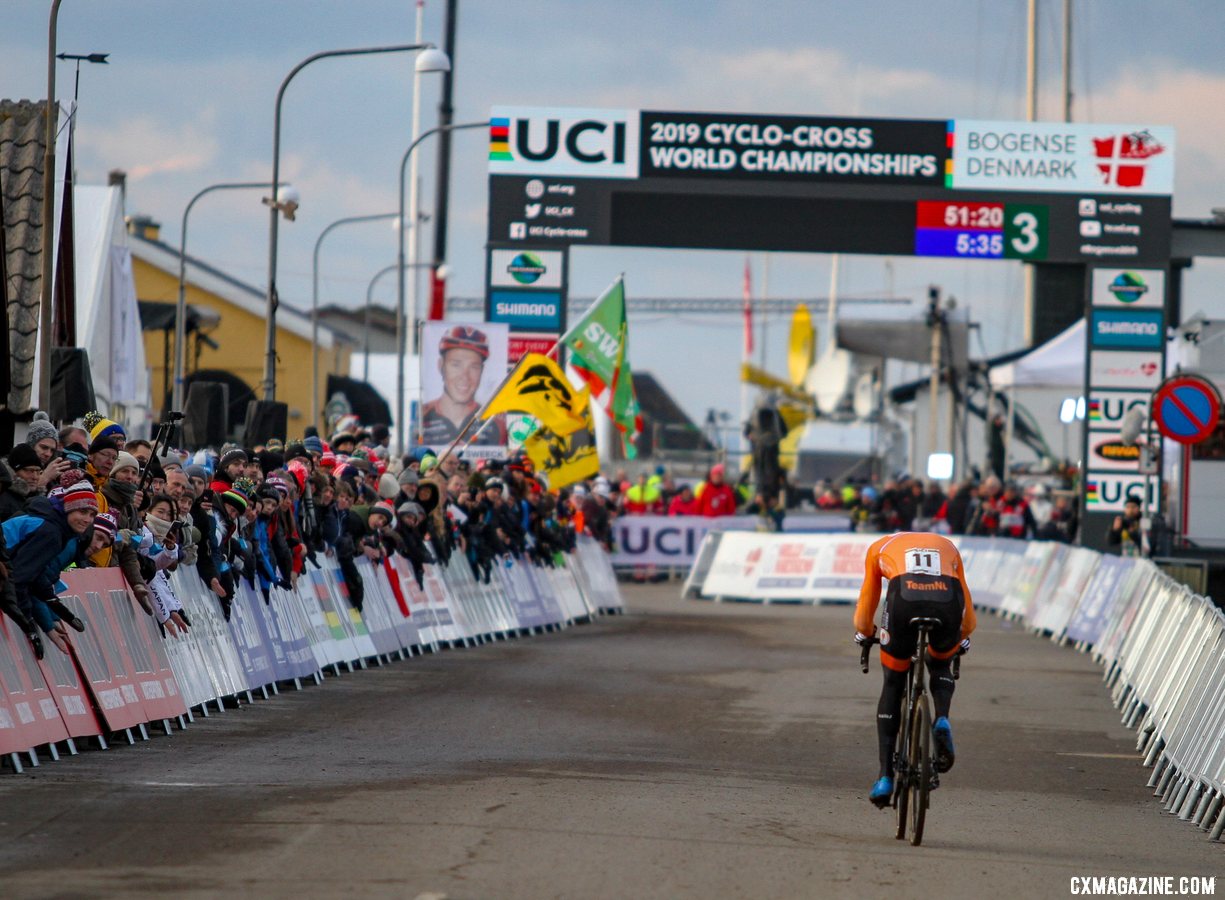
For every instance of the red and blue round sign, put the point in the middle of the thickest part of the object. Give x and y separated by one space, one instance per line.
1187 408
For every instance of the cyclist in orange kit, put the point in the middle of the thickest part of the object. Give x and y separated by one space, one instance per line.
924 577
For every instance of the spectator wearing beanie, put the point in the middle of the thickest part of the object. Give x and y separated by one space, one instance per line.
43 437
314 445
229 466
25 473
12 503
41 547
118 496
98 426
103 452
106 530
409 517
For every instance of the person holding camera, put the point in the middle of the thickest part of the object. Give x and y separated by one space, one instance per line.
160 545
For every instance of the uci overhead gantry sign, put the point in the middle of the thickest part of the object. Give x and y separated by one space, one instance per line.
1035 191
1059 195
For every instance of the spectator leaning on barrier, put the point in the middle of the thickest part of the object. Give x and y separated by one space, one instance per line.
44 542
1015 519
119 494
159 545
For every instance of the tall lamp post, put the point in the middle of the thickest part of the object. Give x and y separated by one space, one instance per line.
348 220
48 224
411 264
431 60
180 313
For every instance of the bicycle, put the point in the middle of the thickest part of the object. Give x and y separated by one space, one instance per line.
914 776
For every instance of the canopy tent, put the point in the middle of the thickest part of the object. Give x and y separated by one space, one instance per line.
1059 363
107 316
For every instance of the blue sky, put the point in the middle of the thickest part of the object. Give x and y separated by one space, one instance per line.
188 101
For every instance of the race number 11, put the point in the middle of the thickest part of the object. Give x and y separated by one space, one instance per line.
1025 231
923 562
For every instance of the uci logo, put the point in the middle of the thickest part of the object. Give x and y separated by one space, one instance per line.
597 143
1108 409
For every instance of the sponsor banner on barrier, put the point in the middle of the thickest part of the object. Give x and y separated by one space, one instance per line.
97 652
249 634
141 644
1115 580
34 716
674 540
72 699
788 567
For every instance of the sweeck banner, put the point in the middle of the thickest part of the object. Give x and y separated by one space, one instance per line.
960 154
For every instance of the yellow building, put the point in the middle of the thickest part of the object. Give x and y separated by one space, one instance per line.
235 343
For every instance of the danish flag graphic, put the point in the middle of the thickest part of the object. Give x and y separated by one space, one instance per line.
1122 159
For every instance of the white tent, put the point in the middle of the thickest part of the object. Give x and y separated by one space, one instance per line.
107 314
1059 363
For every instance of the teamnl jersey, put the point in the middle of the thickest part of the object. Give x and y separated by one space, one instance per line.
915 553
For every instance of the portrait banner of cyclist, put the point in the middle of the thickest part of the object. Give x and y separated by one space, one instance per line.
920 576
462 366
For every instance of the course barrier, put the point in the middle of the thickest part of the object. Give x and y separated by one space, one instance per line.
123 674
1162 645
673 541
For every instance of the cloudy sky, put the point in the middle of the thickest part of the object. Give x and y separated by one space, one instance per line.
188 99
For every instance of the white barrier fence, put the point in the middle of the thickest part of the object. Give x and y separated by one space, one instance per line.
297 634
1162 645
122 674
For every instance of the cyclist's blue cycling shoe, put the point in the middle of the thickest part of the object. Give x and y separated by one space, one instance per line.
942 736
882 792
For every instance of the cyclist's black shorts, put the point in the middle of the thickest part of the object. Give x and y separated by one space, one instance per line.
913 596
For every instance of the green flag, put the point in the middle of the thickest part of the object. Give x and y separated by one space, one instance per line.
599 352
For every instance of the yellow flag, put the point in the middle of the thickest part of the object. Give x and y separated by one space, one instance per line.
565 459
539 388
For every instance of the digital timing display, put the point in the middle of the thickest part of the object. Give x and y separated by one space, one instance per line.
980 230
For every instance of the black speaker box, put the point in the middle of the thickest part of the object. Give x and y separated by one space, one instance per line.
204 415
266 419
72 387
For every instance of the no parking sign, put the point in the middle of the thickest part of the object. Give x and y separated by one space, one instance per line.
1187 408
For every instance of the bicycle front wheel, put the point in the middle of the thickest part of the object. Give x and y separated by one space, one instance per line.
920 765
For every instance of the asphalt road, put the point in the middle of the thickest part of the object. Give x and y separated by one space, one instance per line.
685 750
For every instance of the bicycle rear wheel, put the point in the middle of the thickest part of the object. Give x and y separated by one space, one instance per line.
901 773
920 766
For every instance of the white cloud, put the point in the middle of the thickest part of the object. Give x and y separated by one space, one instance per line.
144 146
1190 101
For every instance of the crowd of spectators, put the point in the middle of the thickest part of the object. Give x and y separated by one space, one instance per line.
987 508
89 495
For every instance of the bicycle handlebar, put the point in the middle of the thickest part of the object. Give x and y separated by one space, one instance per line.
866 649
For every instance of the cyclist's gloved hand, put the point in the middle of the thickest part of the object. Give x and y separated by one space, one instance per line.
964 645
861 638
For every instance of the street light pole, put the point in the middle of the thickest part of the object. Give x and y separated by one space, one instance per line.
48 223
269 384
180 314
349 220
401 325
